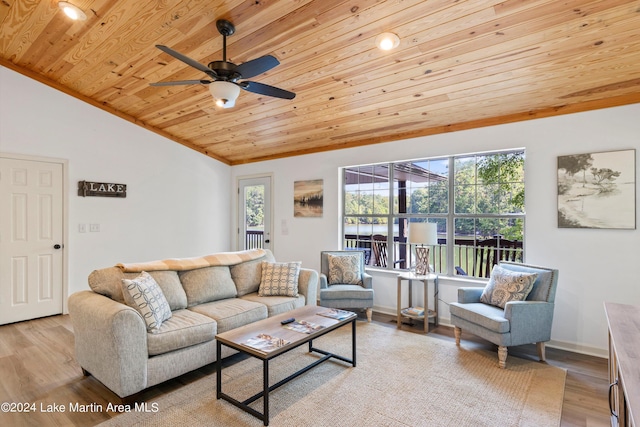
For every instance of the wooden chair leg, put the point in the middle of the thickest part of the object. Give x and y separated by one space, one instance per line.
369 313
541 352
502 356
457 332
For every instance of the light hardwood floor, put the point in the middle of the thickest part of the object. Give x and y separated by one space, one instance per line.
37 368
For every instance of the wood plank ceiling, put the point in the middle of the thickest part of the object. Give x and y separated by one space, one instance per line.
460 64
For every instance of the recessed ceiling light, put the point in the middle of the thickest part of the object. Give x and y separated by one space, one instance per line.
73 12
387 41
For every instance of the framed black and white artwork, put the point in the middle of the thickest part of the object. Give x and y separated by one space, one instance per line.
597 190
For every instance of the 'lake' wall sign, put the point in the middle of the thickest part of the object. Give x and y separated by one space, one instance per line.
101 189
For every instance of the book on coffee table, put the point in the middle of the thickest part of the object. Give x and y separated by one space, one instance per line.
303 326
265 343
336 313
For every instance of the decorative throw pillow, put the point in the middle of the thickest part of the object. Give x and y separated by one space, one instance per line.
344 269
506 285
279 279
144 294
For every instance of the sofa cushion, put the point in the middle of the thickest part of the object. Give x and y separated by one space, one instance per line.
247 275
232 313
346 292
485 315
276 305
171 287
185 328
505 286
279 279
108 282
207 284
145 295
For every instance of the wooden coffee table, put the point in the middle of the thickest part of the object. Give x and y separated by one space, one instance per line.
238 337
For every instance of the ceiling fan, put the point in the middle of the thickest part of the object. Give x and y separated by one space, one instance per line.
225 86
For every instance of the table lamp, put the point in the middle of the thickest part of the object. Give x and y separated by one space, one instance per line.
424 234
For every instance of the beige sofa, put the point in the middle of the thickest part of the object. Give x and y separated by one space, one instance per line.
112 340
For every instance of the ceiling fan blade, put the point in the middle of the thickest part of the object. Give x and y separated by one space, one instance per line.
182 82
187 60
257 66
264 89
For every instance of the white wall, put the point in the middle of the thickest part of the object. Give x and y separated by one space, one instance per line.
595 265
177 202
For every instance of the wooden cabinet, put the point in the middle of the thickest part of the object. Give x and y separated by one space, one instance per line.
624 368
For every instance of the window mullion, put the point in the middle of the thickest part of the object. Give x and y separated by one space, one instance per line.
391 254
451 232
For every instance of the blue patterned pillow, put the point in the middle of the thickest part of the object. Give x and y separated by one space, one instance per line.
279 279
506 285
145 295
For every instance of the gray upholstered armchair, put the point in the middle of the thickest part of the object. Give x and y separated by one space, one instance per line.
519 322
343 281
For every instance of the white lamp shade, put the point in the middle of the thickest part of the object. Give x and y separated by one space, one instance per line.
224 93
425 233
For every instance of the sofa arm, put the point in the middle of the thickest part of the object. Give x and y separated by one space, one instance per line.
110 342
530 321
308 285
469 295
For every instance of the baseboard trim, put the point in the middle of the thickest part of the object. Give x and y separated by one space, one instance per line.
560 345
579 348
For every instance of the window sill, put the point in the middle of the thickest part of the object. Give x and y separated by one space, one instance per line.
460 280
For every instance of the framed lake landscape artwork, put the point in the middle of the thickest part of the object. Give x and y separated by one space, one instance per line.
307 198
597 190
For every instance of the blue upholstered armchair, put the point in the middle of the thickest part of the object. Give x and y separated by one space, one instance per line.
519 322
343 281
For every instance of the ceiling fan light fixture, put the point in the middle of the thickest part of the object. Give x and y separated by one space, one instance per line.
224 93
72 11
387 41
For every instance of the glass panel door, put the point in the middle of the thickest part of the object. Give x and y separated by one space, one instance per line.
254 219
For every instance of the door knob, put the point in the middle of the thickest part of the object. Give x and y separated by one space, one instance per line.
56 246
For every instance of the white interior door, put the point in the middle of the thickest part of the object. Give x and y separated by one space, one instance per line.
31 231
254 213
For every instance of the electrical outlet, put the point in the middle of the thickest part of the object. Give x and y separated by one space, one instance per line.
82 228
94 228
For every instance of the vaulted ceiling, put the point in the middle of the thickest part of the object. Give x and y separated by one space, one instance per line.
459 65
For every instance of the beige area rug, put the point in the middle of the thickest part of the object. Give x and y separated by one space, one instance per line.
401 379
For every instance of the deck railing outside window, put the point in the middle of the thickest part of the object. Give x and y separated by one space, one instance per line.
474 260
